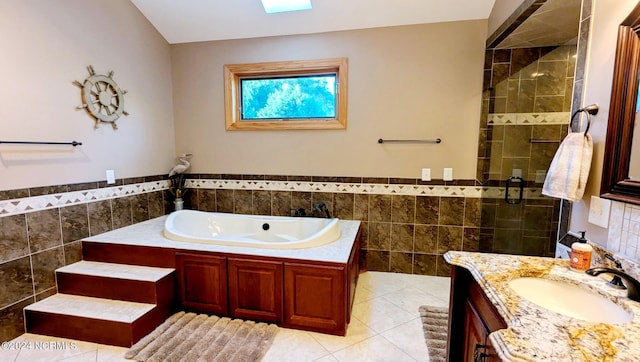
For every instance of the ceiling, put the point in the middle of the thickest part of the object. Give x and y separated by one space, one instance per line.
188 21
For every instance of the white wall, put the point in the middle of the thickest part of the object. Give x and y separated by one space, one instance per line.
407 82
607 16
45 46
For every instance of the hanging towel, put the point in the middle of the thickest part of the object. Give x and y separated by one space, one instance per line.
569 168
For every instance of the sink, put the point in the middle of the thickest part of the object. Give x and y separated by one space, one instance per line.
570 300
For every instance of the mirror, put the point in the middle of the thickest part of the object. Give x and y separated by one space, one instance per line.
621 180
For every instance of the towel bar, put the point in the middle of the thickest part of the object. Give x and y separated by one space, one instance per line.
544 141
72 143
437 140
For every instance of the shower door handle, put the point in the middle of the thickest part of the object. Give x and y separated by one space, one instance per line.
521 194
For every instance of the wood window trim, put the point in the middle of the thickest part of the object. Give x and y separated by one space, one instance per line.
233 73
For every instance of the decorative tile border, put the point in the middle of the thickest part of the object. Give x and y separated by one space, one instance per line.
357 188
51 201
528 118
37 203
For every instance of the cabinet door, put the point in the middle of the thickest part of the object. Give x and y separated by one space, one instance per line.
475 334
477 346
255 289
315 298
202 282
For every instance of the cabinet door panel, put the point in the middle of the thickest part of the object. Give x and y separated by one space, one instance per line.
315 298
202 282
255 289
476 333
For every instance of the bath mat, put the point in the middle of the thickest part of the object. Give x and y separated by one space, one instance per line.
435 323
199 337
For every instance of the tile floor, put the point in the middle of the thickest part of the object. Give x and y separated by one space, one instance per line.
385 326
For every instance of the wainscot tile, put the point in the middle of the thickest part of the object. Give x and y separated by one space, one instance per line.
44 229
75 222
16 282
12 320
100 220
44 265
13 237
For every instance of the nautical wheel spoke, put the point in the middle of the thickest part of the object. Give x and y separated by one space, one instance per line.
102 98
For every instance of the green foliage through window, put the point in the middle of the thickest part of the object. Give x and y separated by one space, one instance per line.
289 97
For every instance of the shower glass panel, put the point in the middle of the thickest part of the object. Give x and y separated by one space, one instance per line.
525 115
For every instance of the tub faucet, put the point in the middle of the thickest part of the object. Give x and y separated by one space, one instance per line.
633 286
321 208
299 212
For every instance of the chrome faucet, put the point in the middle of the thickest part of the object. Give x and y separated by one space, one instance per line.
633 286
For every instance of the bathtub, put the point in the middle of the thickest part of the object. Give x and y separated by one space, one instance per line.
271 232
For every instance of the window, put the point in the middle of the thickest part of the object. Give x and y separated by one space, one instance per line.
310 94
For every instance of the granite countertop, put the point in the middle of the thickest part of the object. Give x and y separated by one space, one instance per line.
149 233
538 334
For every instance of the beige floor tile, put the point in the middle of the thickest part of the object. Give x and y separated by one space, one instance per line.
375 349
380 315
294 346
363 294
328 358
409 338
379 283
411 298
437 286
8 354
46 348
356 332
111 354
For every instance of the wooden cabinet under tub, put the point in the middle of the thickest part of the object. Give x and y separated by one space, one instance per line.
202 281
300 294
255 289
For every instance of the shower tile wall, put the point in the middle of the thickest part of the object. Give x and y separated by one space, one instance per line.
33 245
538 83
523 81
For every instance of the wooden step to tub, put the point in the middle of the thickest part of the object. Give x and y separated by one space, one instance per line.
99 320
106 303
117 281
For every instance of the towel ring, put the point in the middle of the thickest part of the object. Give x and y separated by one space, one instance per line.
589 110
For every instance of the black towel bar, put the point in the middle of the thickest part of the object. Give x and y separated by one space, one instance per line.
72 143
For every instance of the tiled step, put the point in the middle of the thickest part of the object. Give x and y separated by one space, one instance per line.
105 321
117 281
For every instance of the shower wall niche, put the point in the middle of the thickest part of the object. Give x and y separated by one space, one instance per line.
525 115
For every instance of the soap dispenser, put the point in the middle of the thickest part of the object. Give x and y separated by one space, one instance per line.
581 254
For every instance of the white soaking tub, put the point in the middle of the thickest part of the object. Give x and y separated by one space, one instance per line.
270 232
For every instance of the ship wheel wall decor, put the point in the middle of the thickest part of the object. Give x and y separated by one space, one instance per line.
102 98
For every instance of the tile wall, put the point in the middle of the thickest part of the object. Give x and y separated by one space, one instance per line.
406 228
624 230
407 224
525 115
41 229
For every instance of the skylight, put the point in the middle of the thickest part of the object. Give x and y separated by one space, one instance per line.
279 6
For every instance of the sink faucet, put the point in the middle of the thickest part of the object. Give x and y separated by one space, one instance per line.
633 286
616 282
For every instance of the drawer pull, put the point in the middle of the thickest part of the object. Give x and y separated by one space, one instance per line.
479 356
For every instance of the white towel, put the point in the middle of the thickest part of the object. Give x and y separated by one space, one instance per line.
569 169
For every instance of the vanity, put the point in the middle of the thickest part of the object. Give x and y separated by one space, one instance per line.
490 321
